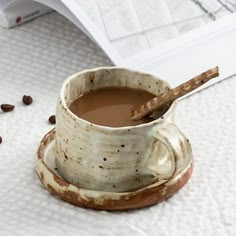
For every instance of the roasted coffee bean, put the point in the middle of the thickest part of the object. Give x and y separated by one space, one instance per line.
52 119
27 100
7 107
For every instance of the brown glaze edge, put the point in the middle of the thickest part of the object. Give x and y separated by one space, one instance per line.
39 156
126 201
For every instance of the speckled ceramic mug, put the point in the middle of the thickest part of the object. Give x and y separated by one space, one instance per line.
117 159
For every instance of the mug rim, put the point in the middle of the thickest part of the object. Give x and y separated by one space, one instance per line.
156 121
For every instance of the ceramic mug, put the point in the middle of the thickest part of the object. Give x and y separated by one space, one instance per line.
117 159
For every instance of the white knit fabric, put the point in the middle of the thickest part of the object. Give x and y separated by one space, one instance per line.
35 59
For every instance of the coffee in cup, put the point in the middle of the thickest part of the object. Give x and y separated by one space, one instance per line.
119 156
111 106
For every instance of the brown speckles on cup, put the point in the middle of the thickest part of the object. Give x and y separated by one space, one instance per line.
115 200
65 156
7 107
0 139
115 152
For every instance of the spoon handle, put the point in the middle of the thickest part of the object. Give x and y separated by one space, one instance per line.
169 96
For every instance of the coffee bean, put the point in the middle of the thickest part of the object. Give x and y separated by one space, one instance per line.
0 139
7 107
52 119
27 100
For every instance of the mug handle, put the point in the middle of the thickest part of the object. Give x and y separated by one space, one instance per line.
179 153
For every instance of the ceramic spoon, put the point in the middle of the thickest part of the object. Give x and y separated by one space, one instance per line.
172 94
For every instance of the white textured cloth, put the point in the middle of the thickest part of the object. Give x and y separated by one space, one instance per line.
34 59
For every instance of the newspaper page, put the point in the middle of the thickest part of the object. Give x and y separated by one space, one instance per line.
133 26
173 39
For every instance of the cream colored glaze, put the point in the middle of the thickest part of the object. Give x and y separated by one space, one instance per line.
117 159
148 195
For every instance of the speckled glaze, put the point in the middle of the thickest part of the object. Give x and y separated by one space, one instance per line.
117 159
102 200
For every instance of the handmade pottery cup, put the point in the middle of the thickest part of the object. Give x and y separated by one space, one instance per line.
117 159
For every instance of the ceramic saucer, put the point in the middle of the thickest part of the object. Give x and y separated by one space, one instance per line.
148 195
